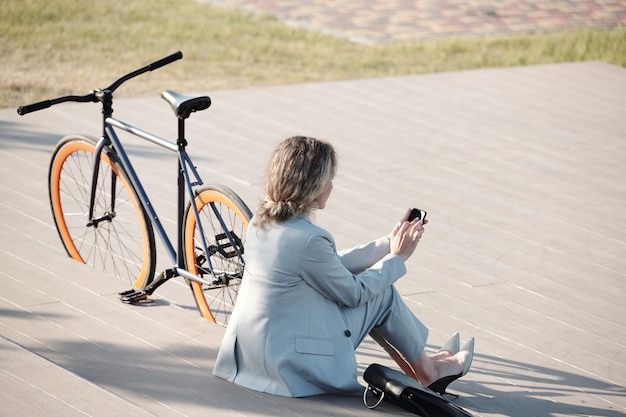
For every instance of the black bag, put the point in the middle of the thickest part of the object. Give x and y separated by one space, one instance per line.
407 393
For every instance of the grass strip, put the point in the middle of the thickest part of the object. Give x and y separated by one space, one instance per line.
55 47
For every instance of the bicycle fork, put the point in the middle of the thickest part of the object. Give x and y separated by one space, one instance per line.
108 215
106 98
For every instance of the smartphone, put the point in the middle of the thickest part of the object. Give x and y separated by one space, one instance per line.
417 214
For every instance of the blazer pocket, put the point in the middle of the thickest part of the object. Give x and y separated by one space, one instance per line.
315 346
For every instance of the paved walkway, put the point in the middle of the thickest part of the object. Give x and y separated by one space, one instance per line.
521 170
373 21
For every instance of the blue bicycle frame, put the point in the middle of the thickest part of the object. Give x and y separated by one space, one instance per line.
186 170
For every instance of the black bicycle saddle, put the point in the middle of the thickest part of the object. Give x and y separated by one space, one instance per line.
183 105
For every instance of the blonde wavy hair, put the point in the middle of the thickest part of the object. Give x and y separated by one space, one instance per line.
297 173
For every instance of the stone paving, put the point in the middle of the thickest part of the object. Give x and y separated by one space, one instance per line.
378 21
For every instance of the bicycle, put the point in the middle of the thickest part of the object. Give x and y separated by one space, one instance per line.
105 219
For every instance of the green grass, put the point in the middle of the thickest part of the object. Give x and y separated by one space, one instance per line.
54 47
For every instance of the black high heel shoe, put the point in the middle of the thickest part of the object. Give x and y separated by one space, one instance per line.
440 385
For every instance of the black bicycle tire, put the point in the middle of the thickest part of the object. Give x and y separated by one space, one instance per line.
80 242
219 308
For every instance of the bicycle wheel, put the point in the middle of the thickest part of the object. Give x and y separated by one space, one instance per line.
120 240
216 301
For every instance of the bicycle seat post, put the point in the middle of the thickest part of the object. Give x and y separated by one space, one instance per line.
182 143
183 106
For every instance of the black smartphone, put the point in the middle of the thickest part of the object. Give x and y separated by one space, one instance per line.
417 214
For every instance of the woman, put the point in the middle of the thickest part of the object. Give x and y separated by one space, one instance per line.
303 308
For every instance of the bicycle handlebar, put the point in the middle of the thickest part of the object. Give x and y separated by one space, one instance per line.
91 97
22 110
164 61
150 67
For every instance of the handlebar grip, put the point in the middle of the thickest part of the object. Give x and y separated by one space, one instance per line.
22 110
164 61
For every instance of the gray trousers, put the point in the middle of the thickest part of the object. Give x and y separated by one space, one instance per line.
388 316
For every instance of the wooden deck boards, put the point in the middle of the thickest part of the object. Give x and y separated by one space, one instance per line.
522 171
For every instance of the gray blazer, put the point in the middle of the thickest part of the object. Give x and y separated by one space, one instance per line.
288 334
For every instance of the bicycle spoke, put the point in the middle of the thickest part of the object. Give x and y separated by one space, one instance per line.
119 242
216 206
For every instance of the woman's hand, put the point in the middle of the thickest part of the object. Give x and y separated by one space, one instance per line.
405 236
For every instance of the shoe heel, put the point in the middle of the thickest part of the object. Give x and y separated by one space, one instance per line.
440 385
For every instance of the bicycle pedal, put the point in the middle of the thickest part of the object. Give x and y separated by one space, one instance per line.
127 292
132 296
